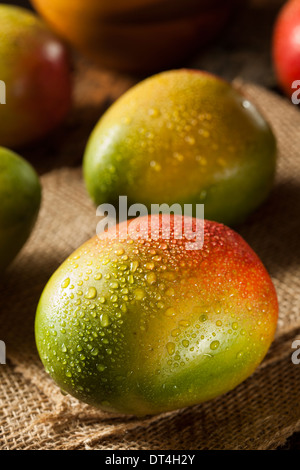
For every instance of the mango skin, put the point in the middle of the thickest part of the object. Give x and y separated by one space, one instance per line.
136 35
20 195
35 66
286 46
145 326
183 137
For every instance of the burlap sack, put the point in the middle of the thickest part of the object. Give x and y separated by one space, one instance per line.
259 414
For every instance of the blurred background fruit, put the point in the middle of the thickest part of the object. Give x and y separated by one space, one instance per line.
139 36
20 196
184 137
35 67
286 45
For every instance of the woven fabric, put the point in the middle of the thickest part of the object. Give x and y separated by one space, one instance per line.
261 413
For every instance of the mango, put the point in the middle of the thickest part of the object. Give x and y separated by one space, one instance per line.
286 48
20 195
136 35
184 137
139 322
35 71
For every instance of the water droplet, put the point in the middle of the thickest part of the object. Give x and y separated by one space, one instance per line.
91 293
64 348
170 312
203 318
170 348
150 265
65 283
114 285
151 278
170 292
104 320
184 323
133 266
95 352
185 343
214 345
139 294
175 332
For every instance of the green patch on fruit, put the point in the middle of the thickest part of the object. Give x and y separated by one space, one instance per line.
20 195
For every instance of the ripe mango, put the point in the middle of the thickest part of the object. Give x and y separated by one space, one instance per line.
35 68
141 324
20 196
184 137
136 35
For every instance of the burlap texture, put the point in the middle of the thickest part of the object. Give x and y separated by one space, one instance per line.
259 414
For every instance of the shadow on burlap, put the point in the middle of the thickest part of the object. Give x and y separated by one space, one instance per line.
259 414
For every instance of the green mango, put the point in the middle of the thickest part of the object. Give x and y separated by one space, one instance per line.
20 196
